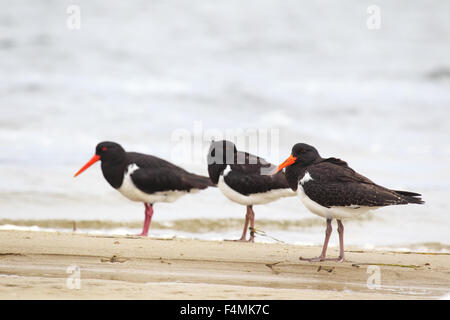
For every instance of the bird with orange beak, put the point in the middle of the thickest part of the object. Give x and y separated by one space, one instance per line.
329 188
144 178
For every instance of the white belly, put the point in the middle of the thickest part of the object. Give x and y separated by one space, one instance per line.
332 212
129 190
252 199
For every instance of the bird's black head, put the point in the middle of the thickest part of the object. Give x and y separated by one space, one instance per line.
109 151
106 151
302 155
220 154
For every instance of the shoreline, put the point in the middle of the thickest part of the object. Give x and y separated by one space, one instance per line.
207 229
34 265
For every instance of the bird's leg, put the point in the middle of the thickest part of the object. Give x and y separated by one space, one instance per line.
325 244
247 219
341 241
341 244
244 232
252 224
148 219
322 257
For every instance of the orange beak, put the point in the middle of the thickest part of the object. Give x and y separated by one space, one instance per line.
286 163
87 165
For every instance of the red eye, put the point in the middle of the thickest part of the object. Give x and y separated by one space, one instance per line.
104 148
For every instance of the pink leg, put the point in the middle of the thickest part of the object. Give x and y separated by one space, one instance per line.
322 257
325 244
341 241
252 225
247 219
148 219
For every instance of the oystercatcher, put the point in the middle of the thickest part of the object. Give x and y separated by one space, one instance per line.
245 179
331 189
144 178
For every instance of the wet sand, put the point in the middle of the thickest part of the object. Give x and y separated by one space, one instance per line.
37 265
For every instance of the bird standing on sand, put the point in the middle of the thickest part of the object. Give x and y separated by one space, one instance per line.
144 178
245 179
331 189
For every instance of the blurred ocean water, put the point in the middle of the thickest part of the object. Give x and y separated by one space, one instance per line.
138 71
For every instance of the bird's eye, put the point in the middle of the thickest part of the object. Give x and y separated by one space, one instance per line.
104 148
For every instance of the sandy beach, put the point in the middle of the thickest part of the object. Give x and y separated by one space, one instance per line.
40 265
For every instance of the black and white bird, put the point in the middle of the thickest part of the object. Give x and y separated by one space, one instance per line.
331 189
144 178
245 179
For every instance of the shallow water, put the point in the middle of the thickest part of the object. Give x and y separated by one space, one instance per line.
139 73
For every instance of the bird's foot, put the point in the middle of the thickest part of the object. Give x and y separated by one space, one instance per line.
142 234
316 259
338 259
237 240
322 258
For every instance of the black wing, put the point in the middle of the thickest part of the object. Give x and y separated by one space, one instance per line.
336 184
247 184
155 174
248 163
251 174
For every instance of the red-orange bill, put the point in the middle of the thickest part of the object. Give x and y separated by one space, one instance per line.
286 163
94 159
